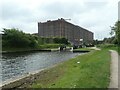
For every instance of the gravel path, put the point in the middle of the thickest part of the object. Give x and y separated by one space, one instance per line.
114 70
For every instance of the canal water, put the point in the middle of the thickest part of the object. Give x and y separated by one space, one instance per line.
18 64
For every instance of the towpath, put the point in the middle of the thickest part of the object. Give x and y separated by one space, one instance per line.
114 70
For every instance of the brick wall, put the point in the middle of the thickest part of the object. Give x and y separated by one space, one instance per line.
62 28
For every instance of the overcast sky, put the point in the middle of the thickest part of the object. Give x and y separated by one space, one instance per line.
95 15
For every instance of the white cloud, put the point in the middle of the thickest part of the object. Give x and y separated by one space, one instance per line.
94 15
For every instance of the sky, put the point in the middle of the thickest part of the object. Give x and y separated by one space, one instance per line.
94 15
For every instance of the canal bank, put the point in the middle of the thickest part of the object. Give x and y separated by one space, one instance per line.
15 64
84 71
27 79
31 50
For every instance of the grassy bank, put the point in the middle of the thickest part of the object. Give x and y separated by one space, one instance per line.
83 49
40 47
110 47
50 46
91 70
11 49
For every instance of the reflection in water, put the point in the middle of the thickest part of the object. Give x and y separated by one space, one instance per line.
17 64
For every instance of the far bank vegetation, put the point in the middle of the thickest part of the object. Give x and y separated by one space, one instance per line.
17 39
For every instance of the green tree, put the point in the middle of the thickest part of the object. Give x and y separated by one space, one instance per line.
61 40
16 38
64 41
116 29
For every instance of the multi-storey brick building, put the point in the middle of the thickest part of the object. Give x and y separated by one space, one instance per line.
61 28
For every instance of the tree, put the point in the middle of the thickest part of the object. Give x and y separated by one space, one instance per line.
116 29
16 38
61 40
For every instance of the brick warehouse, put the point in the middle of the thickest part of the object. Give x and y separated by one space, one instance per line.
61 28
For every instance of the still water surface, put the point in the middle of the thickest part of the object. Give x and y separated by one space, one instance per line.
18 64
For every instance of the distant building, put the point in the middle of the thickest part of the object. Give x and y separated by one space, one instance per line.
61 28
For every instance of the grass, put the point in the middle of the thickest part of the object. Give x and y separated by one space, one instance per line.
110 47
93 71
50 46
13 49
17 49
84 49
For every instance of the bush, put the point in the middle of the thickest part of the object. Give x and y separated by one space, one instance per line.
106 45
15 38
61 40
50 46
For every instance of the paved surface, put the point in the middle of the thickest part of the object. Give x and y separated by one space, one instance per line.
119 72
114 69
95 48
